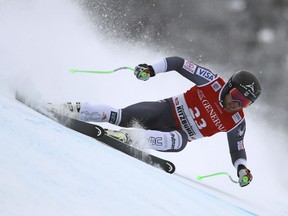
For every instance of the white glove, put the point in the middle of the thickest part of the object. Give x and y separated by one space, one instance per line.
245 176
144 72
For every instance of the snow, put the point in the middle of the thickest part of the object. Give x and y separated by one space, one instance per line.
47 169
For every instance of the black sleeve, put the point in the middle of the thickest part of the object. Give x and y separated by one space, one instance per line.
195 73
236 142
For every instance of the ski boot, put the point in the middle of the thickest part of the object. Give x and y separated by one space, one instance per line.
121 135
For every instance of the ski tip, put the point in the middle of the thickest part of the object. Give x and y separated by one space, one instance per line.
170 167
100 132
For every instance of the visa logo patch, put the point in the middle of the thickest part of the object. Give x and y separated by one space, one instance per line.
206 74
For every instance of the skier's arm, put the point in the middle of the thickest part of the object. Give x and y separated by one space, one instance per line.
189 70
238 153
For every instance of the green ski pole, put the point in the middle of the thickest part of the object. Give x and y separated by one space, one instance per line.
100 72
217 174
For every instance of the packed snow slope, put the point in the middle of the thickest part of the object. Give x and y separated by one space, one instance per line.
46 169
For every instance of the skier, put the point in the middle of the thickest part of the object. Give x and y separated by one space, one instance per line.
209 107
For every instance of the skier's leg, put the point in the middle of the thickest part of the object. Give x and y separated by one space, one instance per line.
99 113
156 115
172 141
87 112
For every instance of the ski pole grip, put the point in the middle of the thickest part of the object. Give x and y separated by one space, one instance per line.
245 179
144 74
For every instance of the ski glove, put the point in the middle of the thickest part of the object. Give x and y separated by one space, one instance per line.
144 72
245 176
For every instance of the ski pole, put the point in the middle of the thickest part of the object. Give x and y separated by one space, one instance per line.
100 72
217 174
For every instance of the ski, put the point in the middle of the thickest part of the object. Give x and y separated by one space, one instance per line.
97 132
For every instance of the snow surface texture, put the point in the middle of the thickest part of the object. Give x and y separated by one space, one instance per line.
46 169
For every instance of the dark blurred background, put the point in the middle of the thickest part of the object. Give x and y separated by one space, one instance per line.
229 35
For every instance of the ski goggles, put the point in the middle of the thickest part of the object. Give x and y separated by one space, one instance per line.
239 97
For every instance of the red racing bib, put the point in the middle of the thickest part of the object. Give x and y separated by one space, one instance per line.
200 114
